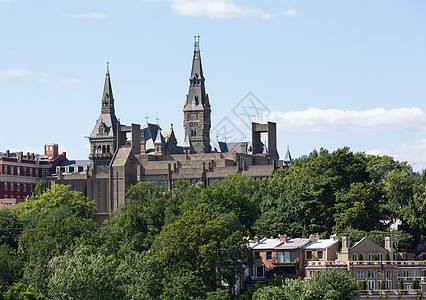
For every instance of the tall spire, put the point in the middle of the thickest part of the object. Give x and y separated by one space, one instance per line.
107 97
197 106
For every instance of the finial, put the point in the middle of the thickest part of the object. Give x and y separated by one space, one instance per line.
196 41
288 149
158 120
107 67
171 125
146 118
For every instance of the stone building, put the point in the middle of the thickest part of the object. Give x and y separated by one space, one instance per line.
123 155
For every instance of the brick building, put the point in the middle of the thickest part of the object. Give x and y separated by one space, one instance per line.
20 173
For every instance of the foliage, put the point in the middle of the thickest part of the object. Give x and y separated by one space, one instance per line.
400 284
359 256
382 285
82 275
415 284
387 256
404 256
10 228
199 244
10 267
330 284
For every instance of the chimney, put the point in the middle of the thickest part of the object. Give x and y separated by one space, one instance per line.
317 236
283 238
312 238
272 237
346 242
389 244
32 156
256 239
244 147
28 155
7 153
64 154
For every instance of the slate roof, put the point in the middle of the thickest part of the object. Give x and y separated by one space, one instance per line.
321 243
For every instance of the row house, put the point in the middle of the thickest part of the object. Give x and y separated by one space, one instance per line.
287 256
369 262
20 173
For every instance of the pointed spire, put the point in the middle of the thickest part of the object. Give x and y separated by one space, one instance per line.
287 158
107 97
197 77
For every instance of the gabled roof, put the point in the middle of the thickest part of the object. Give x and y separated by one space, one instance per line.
366 240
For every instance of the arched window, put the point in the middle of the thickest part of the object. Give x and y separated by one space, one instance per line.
108 149
103 149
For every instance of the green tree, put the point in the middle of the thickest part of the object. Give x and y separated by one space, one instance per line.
357 208
10 228
199 244
387 256
359 256
82 275
11 267
139 276
382 285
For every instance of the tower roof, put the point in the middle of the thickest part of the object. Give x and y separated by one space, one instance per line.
106 125
196 98
107 97
287 157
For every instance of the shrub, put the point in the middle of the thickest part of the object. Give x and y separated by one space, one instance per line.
415 284
374 257
314 258
400 285
404 256
382 284
422 256
387 256
359 256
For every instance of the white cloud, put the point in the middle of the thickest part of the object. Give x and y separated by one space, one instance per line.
14 73
91 15
69 81
44 78
222 9
377 119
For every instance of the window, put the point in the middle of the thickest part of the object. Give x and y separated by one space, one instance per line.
259 271
5 169
44 173
354 256
18 187
18 171
24 186
31 172
360 274
399 273
380 256
31 188
256 255
371 274
405 273
424 273
388 274
24 171
12 186
308 254
320 254
5 185
388 284
370 256
379 273
268 255
415 274
286 256
371 284
11 170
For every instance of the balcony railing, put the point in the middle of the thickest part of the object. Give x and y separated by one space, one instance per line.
336 263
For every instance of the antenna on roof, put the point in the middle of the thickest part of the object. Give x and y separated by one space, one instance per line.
146 118
157 121
107 67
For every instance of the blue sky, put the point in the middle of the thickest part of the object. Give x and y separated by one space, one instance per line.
330 73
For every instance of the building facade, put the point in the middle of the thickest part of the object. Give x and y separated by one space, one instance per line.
20 173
